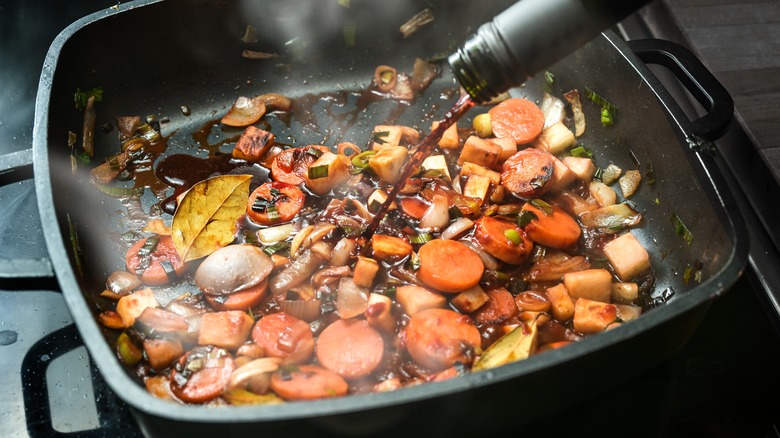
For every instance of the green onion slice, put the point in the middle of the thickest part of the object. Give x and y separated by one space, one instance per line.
421 238
546 208
318 172
360 160
513 236
525 217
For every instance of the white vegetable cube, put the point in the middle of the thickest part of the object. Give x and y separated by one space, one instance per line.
592 284
469 169
581 166
450 139
627 256
337 173
508 147
393 135
477 186
377 198
562 177
434 163
479 151
555 139
388 162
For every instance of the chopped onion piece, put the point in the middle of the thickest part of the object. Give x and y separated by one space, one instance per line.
458 228
437 215
573 97
488 260
611 219
244 112
255 375
352 299
553 109
629 182
306 310
343 252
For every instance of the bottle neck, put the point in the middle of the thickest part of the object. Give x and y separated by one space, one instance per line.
529 37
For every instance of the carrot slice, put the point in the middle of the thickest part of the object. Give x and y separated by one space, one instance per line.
517 118
202 374
439 338
286 199
284 336
449 266
350 347
151 267
556 229
527 172
241 300
503 240
307 382
291 165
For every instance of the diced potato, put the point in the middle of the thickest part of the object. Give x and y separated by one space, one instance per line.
479 151
477 186
385 247
593 316
338 172
555 139
162 352
602 193
581 166
253 144
625 293
450 139
562 306
562 177
470 299
228 329
434 163
130 307
469 169
379 313
593 284
377 198
365 271
627 256
393 135
388 162
414 299
508 148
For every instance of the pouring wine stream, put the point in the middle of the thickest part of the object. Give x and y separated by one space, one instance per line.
424 148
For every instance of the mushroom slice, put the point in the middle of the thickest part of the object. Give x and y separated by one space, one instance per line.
232 269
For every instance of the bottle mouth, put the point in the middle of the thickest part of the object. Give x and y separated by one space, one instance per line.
480 66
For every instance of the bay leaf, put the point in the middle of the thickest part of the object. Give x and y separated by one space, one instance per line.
206 218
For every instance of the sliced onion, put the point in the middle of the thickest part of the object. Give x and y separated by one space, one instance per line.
458 228
437 215
553 109
233 268
244 112
330 275
306 310
269 236
343 251
573 97
488 260
552 266
323 250
611 219
352 299
255 375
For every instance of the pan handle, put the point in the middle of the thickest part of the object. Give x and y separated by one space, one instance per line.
114 421
697 79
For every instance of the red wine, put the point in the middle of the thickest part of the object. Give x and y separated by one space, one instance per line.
424 148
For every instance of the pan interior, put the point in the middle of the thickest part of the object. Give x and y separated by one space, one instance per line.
163 57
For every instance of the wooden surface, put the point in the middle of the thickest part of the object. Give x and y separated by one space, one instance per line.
739 41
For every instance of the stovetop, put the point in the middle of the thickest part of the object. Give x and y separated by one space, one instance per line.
717 385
